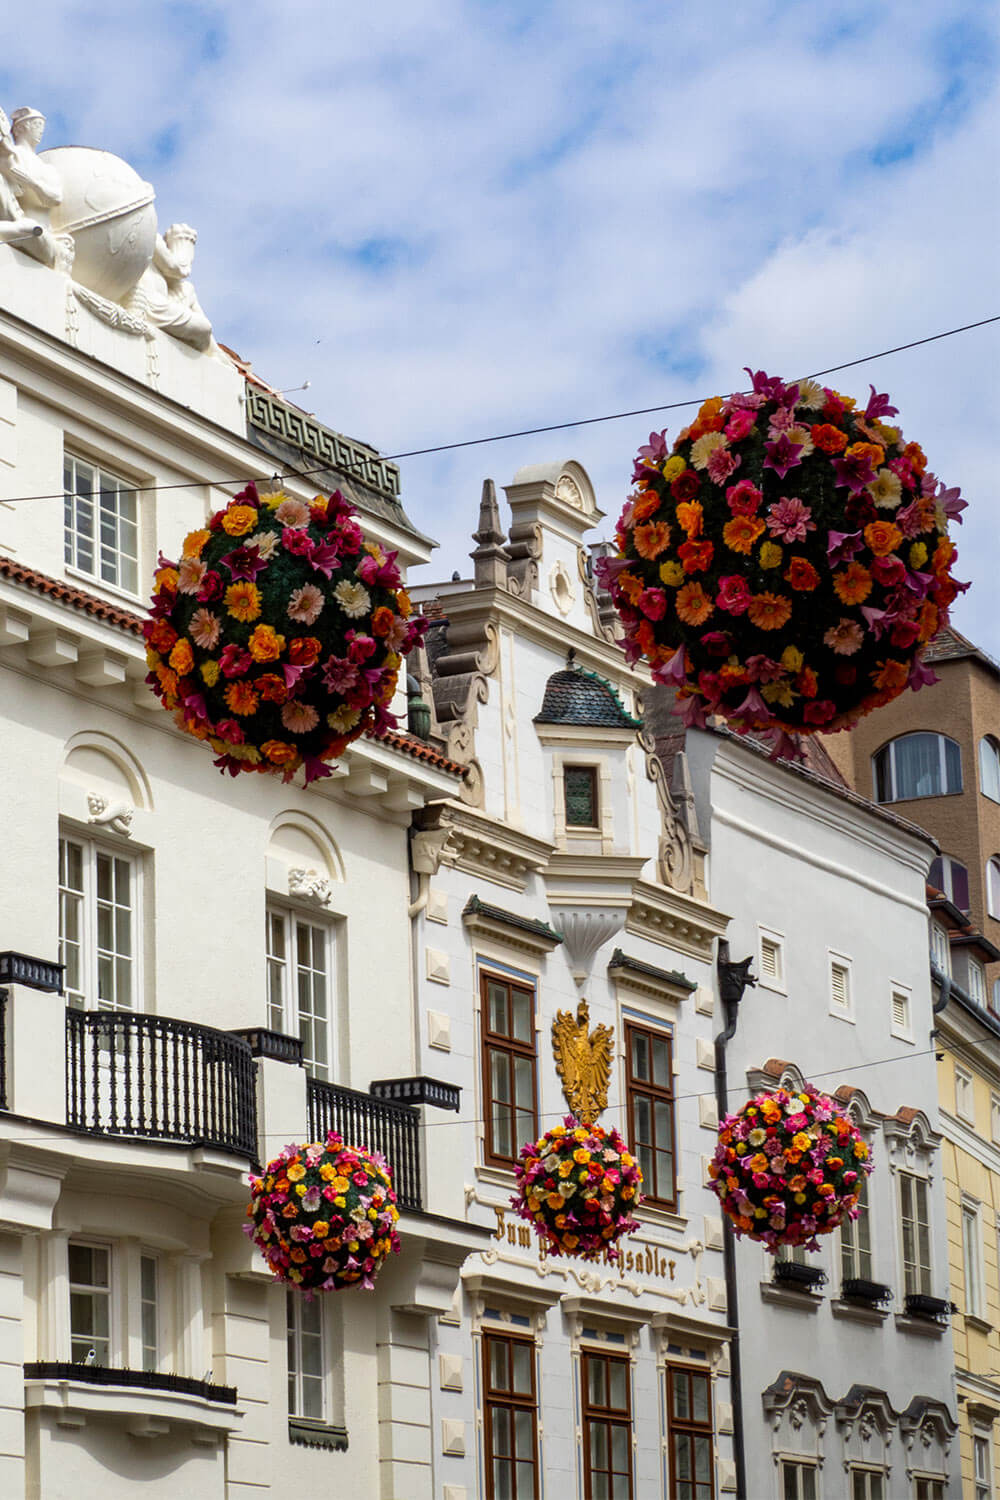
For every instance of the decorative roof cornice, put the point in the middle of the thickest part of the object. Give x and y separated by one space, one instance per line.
509 928
677 921
280 419
483 846
645 979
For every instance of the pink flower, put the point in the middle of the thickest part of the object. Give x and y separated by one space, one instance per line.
790 520
204 629
744 498
653 603
845 637
234 661
359 647
739 425
306 603
721 463
190 574
734 594
293 513
299 717
298 542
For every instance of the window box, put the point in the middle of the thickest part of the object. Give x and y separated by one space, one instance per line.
936 1309
792 1273
870 1293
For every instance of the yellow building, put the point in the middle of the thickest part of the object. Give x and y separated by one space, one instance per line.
969 1086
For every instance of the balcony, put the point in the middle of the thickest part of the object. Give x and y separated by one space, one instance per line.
160 1079
376 1124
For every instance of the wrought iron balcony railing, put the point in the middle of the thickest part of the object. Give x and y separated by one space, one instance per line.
376 1124
158 1078
794 1273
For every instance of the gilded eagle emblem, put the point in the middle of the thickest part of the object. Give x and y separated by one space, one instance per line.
583 1061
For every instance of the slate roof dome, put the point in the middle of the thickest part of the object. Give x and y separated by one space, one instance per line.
575 696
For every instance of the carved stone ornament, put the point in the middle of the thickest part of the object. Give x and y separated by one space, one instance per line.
583 1061
114 815
309 885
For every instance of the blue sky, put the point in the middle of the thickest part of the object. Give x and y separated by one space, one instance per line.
462 218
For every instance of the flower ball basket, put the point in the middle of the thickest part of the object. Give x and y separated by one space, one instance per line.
278 636
323 1216
789 1167
577 1185
785 562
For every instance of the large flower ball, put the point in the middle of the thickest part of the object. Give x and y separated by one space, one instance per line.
783 564
577 1185
789 1167
279 635
323 1215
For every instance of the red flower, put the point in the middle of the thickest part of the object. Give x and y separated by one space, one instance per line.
686 485
696 556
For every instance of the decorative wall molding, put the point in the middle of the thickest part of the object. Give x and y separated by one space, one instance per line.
310 885
278 419
115 816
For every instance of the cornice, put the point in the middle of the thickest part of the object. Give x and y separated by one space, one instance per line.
643 979
674 920
509 928
483 846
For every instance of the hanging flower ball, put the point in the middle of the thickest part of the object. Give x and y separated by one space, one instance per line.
577 1185
324 1216
789 1167
785 562
279 636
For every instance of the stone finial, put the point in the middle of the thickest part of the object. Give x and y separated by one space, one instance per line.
489 558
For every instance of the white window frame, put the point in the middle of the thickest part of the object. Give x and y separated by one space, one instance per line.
286 980
770 940
949 864
993 905
903 1029
144 1303
989 770
84 1242
797 1464
299 1312
940 947
977 981
87 994
840 977
982 1474
851 1234
972 1258
889 750
96 556
995 1118
921 1279
965 1094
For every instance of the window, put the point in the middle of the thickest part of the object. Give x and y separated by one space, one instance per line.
995 1117
866 1484
149 1311
916 1234
298 985
690 1437
899 1016
951 877
993 886
977 982
972 1261
510 1418
772 961
917 765
101 525
89 1303
928 1489
607 1428
580 793
97 939
840 986
989 768
965 1104
508 1067
981 1466
940 947
798 1481
306 1377
650 1091
856 1241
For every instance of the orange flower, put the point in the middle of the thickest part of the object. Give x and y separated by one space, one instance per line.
382 620
181 658
709 418
868 450
769 611
916 456
194 542
741 532
882 537
239 520
404 603
652 539
944 552
266 644
279 753
241 698
891 676
304 651
630 586
927 621
644 506
162 636
696 556
807 683
853 584
693 604
827 438
644 635
243 601
801 575
689 517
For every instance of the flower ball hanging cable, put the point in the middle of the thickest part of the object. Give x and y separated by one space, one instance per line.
577 1186
279 635
789 1166
323 1216
786 561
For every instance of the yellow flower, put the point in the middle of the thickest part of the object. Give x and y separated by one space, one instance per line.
301 1189
327 1172
565 1168
274 500
295 1172
340 1184
792 659
918 554
210 672
769 555
340 1202
239 519
673 467
672 574
243 601
581 1156
194 542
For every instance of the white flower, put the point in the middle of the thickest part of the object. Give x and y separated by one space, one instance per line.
705 445
353 598
265 542
811 395
567 1188
886 489
801 435
343 718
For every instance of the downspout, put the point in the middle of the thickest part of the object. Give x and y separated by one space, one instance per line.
733 980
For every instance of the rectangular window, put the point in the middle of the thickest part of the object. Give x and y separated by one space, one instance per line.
928 1489
867 1484
690 1436
101 525
916 1235
977 982
899 1015
580 793
149 1311
972 1260
306 1375
995 1117
509 1061
607 1427
510 1418
840 986
97 919
90 1303
940 948
772 961
982 1466
798 1481
650 1095
298 985
856 1241
965 1099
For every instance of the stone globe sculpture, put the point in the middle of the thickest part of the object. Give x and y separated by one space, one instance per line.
109 212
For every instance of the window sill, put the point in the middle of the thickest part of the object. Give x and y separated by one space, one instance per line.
666 1218
927 1327
306 1432
140 1411
981 1325
786 1296
859 1312
499 1177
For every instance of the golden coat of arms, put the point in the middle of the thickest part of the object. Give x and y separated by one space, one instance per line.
583 1061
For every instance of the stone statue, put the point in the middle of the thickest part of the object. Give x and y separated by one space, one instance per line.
166 297
29 190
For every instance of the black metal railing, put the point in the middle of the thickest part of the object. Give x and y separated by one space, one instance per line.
933 1309
141 1380
4 997
377 1125
794 1273
155 1077
860 1289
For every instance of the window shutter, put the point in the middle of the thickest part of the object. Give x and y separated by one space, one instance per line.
770 958
900 1011
840 986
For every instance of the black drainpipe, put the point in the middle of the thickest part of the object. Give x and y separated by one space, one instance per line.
733 980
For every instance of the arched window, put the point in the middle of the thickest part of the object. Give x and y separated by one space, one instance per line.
950 876
918 765
993 886
989 768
